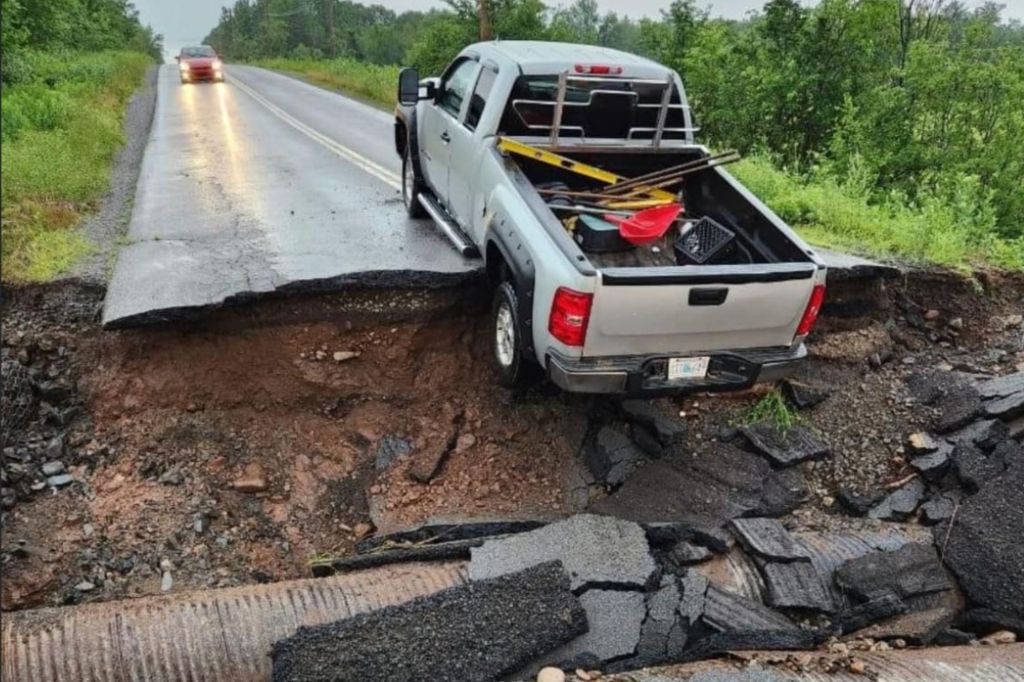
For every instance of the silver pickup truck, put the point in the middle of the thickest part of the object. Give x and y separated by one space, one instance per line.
634 320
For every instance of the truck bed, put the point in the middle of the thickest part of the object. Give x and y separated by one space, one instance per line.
713 193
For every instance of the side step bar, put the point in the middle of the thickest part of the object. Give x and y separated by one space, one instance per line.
454 233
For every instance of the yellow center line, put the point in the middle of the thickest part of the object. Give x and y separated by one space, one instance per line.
355 158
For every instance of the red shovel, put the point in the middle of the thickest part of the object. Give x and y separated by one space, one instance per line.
648 225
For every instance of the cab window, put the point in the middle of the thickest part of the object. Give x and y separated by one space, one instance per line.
481 93
455 86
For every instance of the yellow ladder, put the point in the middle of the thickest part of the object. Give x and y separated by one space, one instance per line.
513 147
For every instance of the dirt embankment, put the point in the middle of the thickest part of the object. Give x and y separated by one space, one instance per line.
236 449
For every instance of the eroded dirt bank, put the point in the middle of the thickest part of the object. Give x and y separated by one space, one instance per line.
237 449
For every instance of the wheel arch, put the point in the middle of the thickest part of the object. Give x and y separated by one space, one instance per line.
505 256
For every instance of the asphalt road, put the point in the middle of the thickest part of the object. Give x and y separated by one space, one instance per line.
261 184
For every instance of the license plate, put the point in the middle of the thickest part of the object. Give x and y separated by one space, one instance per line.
688 368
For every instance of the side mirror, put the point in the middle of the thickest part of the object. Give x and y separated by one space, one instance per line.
177 58
408 86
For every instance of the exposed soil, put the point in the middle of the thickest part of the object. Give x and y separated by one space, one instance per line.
235 449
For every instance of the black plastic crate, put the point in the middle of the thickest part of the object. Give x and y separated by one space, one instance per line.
704 243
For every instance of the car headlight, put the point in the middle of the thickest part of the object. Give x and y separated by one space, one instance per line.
183 66
217 64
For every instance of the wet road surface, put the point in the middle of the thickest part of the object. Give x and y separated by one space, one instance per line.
263 184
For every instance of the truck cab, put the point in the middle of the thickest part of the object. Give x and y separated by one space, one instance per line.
633 320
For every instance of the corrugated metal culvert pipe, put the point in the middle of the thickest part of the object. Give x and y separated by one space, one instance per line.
217 635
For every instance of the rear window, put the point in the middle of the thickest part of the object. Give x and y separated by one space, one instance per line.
594 109
198 52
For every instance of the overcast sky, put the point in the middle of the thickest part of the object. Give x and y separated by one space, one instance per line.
185 22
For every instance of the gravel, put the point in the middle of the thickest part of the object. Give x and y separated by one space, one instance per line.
110 222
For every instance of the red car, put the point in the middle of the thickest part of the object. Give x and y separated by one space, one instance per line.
200 64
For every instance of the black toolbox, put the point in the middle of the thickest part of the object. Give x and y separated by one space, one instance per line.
597 235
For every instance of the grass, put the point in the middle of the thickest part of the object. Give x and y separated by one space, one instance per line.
773 409
61 129
378 84
956 232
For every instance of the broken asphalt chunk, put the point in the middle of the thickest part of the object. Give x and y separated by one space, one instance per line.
1006 408
597 551
796 445
973 468
856 503
614 618
667 430
984 433
911 570
795 585
922 443
939 508
933 465
519 616
802 396
922 624
958 408
664 632
611 456
728 612
900 503
1003 386
769 539
984 547
861 615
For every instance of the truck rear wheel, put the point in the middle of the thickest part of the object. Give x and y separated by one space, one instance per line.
411 187
515 368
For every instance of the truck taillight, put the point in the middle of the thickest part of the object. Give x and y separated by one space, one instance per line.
570 313
598 69
811 313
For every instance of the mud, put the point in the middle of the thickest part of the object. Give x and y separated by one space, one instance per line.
160 423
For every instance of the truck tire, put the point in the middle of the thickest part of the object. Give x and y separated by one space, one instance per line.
515 368
411 186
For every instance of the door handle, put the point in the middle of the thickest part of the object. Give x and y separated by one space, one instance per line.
445 137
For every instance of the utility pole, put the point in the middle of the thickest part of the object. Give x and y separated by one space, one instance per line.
484 17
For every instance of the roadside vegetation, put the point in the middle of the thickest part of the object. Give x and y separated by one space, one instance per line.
888 127
67 76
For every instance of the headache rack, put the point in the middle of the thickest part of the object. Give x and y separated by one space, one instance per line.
559 105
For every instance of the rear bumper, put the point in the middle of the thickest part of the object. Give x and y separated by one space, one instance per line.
646 375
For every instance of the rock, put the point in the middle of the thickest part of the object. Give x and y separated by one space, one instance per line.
802 396
362 530
611 456
88 530
172 476
166 582
53 468
429 459
999 637
796 445
252 480
953 637
768 539
200 522
667 430
60 480
938 509
345 355
928 617
984 548
551 675
982 621
900 503
581 543
685 553
912 570
389 449
519 616
796 585
931 315
85 586
54 448
922 443
856 503
973 468
956 323
933 466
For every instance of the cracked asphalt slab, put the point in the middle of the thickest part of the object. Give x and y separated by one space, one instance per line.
267 184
